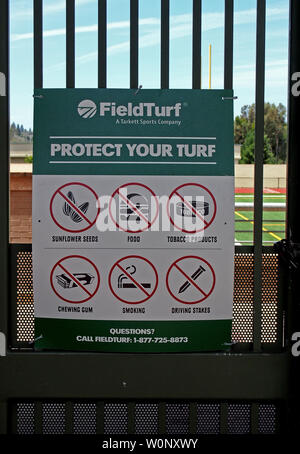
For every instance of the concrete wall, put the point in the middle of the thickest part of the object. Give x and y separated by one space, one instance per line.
274 176
18 151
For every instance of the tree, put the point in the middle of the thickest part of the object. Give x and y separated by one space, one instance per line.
275 128
241 128
248 148
12 131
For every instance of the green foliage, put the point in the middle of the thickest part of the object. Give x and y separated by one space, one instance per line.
248 148
275 133
28 158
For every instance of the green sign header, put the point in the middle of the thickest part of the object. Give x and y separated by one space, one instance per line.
149 132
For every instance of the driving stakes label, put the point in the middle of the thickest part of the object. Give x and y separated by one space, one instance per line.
133 220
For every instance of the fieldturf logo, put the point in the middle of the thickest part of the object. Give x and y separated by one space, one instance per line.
87 108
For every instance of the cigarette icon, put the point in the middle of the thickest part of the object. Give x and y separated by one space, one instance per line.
194 276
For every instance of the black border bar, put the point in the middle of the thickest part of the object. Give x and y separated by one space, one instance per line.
102 43
259 169
70 43
38 43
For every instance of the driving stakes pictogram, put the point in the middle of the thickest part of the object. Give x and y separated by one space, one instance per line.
74 207
190 280
133 207
191 208
133 279
75 279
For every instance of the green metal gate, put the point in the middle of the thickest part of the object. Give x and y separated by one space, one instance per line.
246 391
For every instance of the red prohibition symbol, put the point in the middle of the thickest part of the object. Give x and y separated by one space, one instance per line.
180 281
130 286
63 279
59 196
186 205
147 194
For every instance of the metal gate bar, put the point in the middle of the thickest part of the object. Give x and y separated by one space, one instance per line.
248 376
4 189
38 43
259 168
70 44
102 43
4 164
165 44
197 15
293 218
228 45
134 43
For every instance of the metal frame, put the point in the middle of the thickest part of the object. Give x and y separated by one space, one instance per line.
250 376
4 188
258 166
4 166
293 218
215 376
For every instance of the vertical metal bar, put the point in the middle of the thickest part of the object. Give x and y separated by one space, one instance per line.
282 292
100 418
228 45
38 43
165 44
38 417
162 418
3 415
193 418
293 191
69 416
259 170
131 418
255 419
70 43
134 43
13 267
4 162
12 423
197 16
102 43
293 182
286 417
223 418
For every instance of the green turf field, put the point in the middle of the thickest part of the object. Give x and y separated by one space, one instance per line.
273 221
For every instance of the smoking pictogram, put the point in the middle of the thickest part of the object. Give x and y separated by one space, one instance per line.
133 279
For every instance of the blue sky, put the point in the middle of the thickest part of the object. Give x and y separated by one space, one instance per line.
21 57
